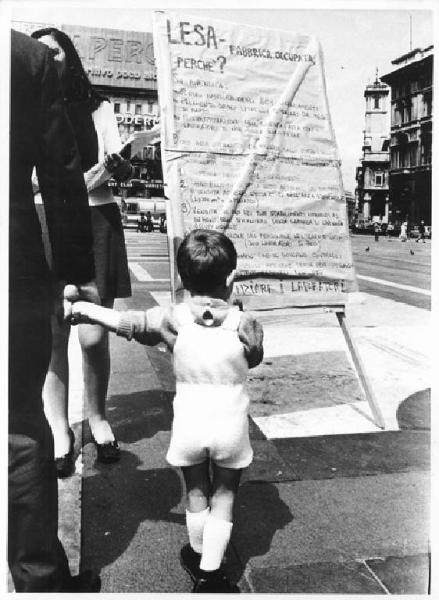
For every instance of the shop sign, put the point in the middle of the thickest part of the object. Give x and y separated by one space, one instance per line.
115 57
147 121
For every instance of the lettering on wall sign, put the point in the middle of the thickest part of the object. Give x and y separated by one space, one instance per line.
114 56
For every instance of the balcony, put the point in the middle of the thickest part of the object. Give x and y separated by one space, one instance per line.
378 157
409 170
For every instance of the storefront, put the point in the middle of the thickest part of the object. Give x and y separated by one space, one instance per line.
121 65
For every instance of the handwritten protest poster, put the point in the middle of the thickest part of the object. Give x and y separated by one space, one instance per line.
248 149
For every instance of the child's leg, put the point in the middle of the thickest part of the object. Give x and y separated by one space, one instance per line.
218 525
197 482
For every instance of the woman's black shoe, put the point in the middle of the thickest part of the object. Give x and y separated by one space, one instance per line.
65 465
109 452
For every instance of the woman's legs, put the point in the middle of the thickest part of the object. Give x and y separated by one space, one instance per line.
96 368
56 388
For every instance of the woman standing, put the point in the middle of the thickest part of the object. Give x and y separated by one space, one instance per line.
403 234
98 141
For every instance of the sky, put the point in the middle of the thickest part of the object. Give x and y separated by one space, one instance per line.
355 41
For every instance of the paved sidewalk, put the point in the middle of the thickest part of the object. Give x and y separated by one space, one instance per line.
317 512
331 504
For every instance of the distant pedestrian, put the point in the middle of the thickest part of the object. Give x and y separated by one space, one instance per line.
141 223
421 232
149 224
403 234
163 225
214 344
377 229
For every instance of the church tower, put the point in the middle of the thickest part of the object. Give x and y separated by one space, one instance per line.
373 174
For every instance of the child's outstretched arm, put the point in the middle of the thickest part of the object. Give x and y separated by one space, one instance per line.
251 334
87 312
146 327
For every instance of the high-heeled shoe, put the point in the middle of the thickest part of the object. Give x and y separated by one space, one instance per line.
108 452
65 465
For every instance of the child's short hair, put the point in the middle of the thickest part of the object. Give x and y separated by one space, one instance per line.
205 259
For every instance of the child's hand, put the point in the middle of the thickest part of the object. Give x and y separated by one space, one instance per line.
70 293
80 312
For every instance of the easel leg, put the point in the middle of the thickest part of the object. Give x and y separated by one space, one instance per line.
379 419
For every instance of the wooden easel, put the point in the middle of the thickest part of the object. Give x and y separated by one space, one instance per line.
367 388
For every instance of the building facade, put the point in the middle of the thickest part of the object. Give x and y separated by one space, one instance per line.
411 136
120 64
372 176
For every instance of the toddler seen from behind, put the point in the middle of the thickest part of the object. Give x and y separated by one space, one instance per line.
213 345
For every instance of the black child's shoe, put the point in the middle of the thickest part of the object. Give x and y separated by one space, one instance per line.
85 582
109 452
65 465
214 582
190 561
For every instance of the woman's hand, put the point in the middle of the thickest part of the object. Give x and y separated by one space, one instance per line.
120 168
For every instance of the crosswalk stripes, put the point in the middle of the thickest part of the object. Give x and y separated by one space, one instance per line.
142 274
151 249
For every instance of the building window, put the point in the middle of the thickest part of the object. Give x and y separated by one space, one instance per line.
409 110
427 97
128 106
138 109
413 154
378 179
117 107
398 113
376 101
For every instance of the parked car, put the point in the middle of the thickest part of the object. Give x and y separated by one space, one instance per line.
361 226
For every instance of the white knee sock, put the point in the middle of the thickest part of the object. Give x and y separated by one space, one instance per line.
195 526
216 536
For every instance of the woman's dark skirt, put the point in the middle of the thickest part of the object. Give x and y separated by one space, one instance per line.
111 263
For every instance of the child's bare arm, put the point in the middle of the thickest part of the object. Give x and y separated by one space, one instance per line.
87 312
146 327
251 334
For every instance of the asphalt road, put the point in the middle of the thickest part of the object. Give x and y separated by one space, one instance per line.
399 267
399 271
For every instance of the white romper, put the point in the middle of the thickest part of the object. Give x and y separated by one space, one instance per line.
210 405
